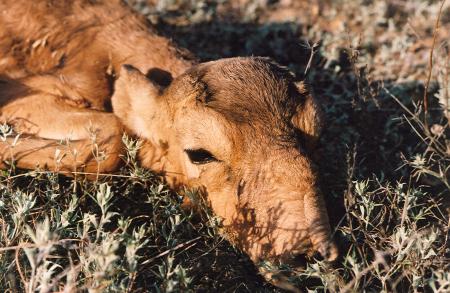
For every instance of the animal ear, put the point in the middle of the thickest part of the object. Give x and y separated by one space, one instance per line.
135 99
309 117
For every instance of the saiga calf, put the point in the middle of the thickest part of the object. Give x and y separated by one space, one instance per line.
239 128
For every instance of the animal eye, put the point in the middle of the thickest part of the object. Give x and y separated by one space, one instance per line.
200 156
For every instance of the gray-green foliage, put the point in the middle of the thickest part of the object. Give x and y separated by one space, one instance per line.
67 234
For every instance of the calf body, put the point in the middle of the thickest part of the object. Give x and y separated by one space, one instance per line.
84 72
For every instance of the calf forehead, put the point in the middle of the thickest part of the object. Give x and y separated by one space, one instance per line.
249 90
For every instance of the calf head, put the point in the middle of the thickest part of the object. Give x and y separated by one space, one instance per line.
242 130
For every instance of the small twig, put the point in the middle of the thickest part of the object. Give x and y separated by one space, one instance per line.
63 274
379 259
80 173
211 249
131 283
416 33
17 247
181 245
430 64
446 85
19 269
432 140
405 209
311 56
30 245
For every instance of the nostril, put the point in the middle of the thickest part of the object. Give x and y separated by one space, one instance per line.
327 251
297 261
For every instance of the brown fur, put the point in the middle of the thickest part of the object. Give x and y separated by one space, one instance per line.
61 70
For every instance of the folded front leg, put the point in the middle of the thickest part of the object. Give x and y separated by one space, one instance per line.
59 137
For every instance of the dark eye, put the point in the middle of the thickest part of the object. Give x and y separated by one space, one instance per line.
200 156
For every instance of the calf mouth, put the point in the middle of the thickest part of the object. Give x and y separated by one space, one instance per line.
283 276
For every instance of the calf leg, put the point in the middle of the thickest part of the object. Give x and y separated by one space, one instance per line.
60 137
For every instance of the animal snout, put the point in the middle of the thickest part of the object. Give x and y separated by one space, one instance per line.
328 250
297 258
